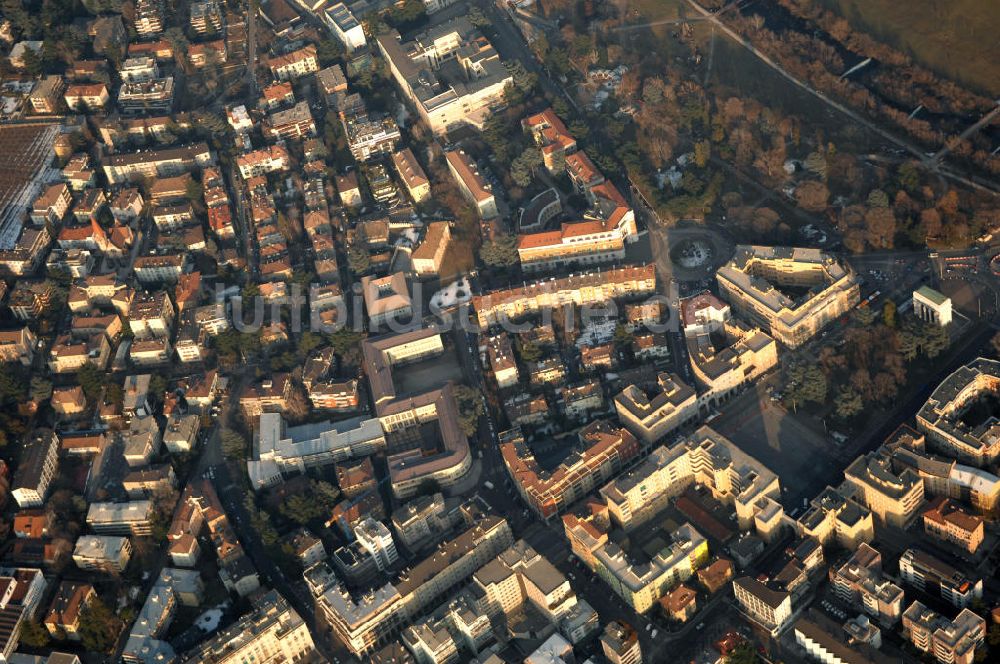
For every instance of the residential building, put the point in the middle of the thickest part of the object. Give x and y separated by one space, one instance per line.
17 346
651 414
430 641
705 457
428 257
943 417
769 608
620 643
62 620
420 520
131 518
294 65
451 74
272 632
947 521
860 583
412 175
363 624
830 643
39 461
835 516
88 96
603 453
551 135
45 96
370 135
580 289
949 641
472 185
893 498
376 539
102 553
290 124
386 298
125 167
933 576
752 283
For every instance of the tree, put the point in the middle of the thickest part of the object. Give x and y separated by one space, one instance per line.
804 383
812 196
470 407
623 338
328 52
34 635
345 340
889 313
501 252
91 379
234 444
702 153
478 18
99 627
524 80
995 343
529 352
358 260
816 163
308 342
744 653
848 402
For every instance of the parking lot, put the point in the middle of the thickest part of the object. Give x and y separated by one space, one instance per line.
800 454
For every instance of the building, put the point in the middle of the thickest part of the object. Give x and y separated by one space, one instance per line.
272 632
142 441
370 135
45 96
88 96
63 617
420 520
412 175
102 553
131 518
591 288
430 641
603 453
680 603
893 497
126 167
156 95
17 346
830 643
753 280
23 590
941 476
931 306
769 608
173 588
620 643
949 641
38 464
428 257
280 450
347 29
151 315
472 185
205 17
651 414
451 74
933 576
386 299
308 548
376 539
550 134
365 623
860 583
706 457
332 82
955 420
294 65
292 123
947 521
447 461
148 18
52 205
726 354
835 516
500 352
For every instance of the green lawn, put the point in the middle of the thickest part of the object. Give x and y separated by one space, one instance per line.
957 38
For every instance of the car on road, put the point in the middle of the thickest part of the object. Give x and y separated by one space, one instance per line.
488 485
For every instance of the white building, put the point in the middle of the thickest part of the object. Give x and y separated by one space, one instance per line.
931 306
377 540
103 553
345 27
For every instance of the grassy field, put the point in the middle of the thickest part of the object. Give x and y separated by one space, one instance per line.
956 38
